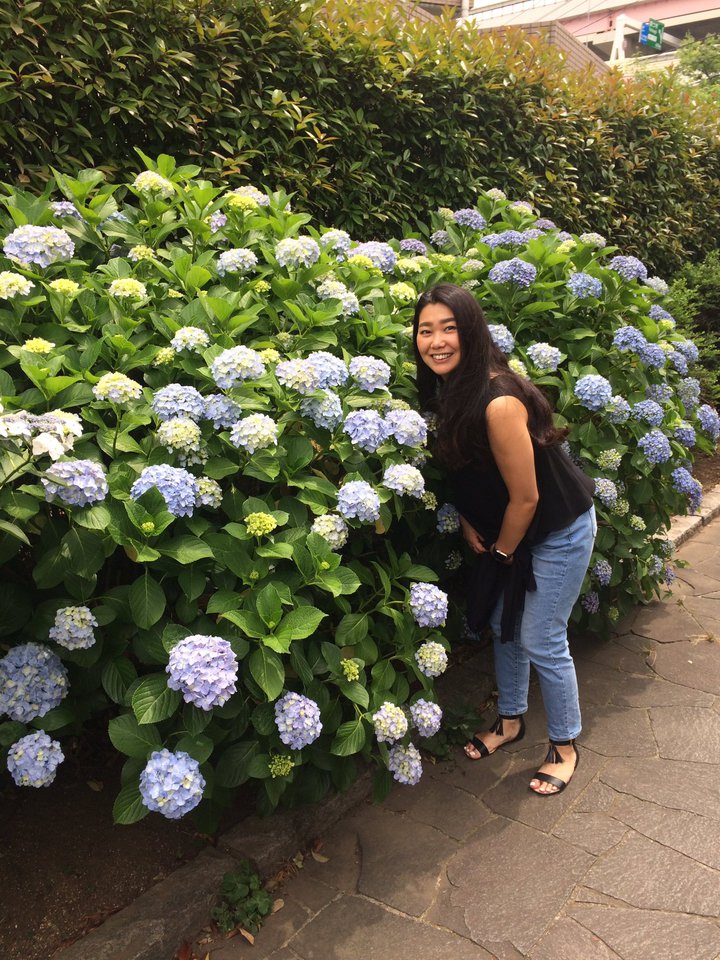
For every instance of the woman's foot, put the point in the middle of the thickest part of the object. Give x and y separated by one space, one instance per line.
504 730
557 770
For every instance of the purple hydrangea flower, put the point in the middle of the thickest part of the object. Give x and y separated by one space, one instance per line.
297 719
709 420
390 723
506 238
337 240
32 682
205 669
685 434
370 373
678 361
684 482
410 245
426 717
407 426
382 254
688 349
33 760
652 355
602 571
429 604
582 286
223 411
649 411
217 220
591 601
516 271
544 224
629 340
656 312
171 783
39 245
432 658
235 365
606 492
502 338
593 391
73 628
178 488
629 268
325 412
439 238
688 391
405 764
617 409
176 400
532 233
366 429
404 479
64 208
467 217
357 499
298 375
330 370
448 519
78 483
656 447
659 392
255 432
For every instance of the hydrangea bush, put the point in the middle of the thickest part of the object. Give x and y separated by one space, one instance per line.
218 516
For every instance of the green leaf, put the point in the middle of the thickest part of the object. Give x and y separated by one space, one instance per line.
268 672
356 692
418 572
195 720
352 629
339 582
192 582
153 700
14 531
10 732
116 677
129 807
300 623
56 719
199 747
269 606
186 549
147 601
127 736
249 622
233 768
349 739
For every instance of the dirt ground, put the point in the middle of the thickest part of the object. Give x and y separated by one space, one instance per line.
64 866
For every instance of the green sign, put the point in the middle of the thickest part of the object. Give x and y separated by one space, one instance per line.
651 34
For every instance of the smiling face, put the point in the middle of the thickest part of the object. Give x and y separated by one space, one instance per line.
438 341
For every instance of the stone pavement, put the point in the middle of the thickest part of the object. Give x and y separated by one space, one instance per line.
470 865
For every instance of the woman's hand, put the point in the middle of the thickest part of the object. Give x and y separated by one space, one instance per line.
472 537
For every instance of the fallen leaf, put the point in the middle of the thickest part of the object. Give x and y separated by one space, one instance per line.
319 857
277 905
95 785
184 951
248 936
298 860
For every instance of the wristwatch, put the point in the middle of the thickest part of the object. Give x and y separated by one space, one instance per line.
500 556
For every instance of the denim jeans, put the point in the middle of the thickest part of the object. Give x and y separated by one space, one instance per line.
559 565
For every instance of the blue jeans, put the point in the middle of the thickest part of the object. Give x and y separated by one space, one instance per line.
559 565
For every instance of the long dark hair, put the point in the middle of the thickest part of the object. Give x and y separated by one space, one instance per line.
460 399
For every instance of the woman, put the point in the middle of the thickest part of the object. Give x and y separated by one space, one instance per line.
525 509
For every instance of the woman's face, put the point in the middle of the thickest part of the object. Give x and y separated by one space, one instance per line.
438 341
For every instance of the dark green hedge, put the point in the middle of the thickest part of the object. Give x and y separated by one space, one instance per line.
373 120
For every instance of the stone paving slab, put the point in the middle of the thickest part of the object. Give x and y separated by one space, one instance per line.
618 733
672 783
693 665
687 733
593 832
432 804
568 940
665 622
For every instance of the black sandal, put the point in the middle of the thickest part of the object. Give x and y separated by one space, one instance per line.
554 756
497 728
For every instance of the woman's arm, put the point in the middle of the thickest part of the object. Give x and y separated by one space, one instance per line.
512 449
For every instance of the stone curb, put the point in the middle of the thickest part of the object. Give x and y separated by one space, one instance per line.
156 923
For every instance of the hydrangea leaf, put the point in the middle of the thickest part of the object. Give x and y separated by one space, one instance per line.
268 672
300 623
117 675
147 601
127 736
186 549
128 807
153 700
349 739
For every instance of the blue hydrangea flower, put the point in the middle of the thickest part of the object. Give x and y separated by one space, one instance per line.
407 426
656 447
171 783
593 391
64 208
448 519
709 420
216 221
236 365
688 391
78 483
382 254
658 285
429 604
506 238
404 479
515 271
544 224
431 658
502 338
685 434
426 717
655 566
366 429
467 217
251 192
297 719
582 286
629 268
439 238
255 432
297 252
652 355
298 375
335 290
205 669
543 356
684 482
410 245
606 492
591 602
602 571
617 410
176 400
659 392
32 682
73 628
358 500
656 312
33 760
688 349
330 370
209 493
532 233
629 340
332 528
390 723
223 411
405 764
39 245
178 488
337 240
325 412
649 411
239 260
370 373
678 361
